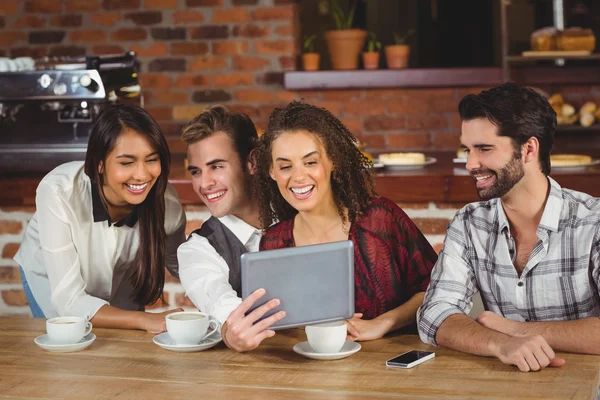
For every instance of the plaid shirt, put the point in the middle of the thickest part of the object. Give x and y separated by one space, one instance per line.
560 281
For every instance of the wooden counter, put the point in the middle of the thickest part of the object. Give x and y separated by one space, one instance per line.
125 364
443 181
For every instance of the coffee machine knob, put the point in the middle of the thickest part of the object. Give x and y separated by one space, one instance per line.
87 82
60 89
45 81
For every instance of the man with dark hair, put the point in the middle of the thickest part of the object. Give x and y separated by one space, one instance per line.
532 248
219 152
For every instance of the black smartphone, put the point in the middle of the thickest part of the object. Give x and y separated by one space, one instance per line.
410 359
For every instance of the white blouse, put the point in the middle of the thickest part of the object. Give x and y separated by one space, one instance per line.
74 265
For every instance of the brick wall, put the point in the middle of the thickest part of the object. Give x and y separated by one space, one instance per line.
431 218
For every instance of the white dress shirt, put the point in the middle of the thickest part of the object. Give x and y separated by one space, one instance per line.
75 265
205 274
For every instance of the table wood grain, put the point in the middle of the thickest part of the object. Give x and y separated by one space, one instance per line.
124 364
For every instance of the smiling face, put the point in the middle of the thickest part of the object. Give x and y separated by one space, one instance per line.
493 162
217 175
130 170
302 170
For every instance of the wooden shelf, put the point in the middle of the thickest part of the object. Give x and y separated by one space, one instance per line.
578 129
517 58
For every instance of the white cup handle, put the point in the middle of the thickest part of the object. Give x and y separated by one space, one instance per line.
215 324
88 328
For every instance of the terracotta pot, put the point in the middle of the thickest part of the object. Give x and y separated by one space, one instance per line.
397 56
310 61
345 46
370 59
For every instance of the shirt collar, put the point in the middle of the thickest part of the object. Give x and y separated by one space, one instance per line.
551 214
101 213
241 229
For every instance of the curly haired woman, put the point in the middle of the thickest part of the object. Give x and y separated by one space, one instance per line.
317 183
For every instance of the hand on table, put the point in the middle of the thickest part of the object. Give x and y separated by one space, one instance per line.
361 329
155 322
240 333
530 353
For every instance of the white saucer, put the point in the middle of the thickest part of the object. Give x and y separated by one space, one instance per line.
347 350
165 341
45 343
400 167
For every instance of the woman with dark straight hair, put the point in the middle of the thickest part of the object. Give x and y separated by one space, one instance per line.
104 230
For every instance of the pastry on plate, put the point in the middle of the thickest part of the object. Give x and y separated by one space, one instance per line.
402 158
569 160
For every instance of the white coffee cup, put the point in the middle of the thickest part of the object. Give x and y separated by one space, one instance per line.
67 330
188 327
327 338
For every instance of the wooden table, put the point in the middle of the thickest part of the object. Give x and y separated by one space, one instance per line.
128 365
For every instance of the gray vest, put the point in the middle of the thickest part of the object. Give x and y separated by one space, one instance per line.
228 246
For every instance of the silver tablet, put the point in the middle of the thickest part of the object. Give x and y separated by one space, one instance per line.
314 283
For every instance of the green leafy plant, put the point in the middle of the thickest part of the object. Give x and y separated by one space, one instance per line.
372 43
399 39
341 19
309 43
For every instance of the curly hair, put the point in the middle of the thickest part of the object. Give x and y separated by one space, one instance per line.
352 176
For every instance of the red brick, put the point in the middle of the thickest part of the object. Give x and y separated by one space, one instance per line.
153 50
9 39
365 108
409 140
235 79
373 141
384 123
10 249
108 49
446 141
286 96
29 51
182 301
286 30
249 63
129 34
191 80
144 17
250 111
10 227
384 94
462 92
428 93
105 19
432 226
450 206
413 206
67 21
273 14
43 6
67 51
444 104
187 17
408 106
230 47
121 4
82 5
203 3
176 145
160 113
237 14
10 275
14 297
163 97
161 4
189 49
254 95
251 31
154 81
455 122
431 121
287 63
333 107
170 278
29 21
191 226
275 46
9 7
342 95
88 36
354 125
207 63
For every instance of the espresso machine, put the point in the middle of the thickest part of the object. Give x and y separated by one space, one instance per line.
47 108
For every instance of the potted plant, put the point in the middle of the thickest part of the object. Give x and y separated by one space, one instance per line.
371 56
397 55
310 59
344 43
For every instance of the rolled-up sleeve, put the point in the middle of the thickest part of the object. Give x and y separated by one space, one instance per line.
452 284
68 288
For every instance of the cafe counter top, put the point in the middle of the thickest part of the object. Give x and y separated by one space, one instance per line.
442 181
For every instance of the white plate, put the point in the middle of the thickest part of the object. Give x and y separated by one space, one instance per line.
579 166
459 160
347 350
428 161
45 343
165 341
378 165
